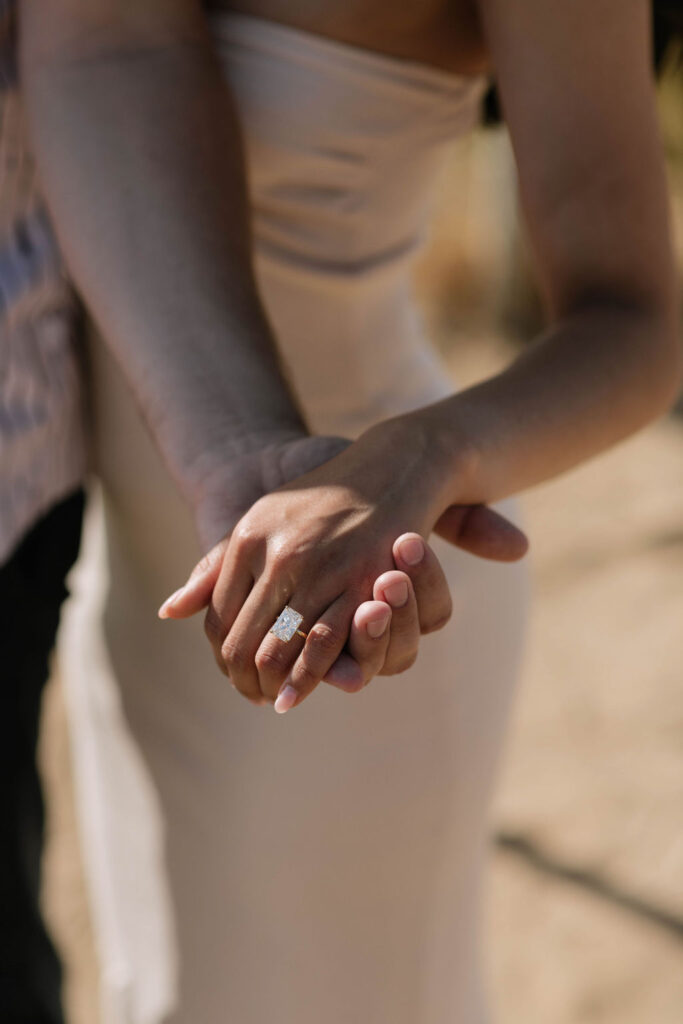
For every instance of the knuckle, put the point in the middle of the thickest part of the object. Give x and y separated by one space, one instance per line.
234 656
324 639
306 676
272 660
244 536
282 560
281 572
213 626
236 665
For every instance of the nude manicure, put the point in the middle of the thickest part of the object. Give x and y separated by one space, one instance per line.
377 627
412 550
286 699
396 594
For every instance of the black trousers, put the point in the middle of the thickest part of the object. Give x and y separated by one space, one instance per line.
32 589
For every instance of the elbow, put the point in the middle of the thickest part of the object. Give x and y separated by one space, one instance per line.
646 332
638 315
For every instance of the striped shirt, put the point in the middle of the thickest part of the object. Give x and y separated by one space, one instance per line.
43 451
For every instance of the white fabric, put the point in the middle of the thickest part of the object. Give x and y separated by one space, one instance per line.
321 867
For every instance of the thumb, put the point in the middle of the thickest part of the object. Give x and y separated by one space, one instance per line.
483 532
194 595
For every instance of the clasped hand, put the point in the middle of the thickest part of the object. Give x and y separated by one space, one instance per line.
337 534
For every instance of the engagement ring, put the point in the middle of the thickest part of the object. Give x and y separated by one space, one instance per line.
287 623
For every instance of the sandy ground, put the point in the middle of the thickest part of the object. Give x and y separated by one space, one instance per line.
586 897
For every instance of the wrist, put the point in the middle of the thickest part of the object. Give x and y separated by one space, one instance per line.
220 465
444 433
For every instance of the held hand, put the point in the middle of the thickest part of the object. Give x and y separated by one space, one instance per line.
479 530
414 602
347 504
385 631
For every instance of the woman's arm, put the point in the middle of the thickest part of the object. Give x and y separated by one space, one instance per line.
141 161
578 97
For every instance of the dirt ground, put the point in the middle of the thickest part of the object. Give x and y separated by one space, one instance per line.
586 898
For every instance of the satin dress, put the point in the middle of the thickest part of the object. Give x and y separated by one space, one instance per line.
325 866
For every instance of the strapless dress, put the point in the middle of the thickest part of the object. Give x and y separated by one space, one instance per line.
324 867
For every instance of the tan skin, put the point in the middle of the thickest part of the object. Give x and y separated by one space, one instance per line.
582 121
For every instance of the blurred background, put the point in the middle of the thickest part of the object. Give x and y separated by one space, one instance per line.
585 908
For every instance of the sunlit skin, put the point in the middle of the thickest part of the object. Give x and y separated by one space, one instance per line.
315 522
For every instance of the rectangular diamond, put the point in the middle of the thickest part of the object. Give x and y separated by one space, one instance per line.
287 623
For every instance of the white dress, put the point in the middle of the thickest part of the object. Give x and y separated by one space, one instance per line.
321 867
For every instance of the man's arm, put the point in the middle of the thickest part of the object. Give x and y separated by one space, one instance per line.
141 162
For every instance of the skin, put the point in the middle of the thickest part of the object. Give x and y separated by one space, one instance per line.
581 115
132 124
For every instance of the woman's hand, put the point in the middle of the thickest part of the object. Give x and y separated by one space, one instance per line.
385 631
325 543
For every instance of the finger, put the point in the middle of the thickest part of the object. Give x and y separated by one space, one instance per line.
323 645
275 656
396 589
251 622
365 650
239 612
223 609
483 532
415 557
195 593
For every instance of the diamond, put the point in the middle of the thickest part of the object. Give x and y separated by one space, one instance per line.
286 624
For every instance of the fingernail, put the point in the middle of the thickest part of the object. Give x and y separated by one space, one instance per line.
397 594
378 626
286 699
411 550
168 602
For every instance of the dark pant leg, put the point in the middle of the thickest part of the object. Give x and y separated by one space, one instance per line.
32 589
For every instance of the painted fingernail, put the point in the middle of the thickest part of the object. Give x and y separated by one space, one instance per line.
286 699
162 613
377 627
397 594
411 550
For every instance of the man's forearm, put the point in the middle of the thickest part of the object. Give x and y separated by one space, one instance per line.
139 154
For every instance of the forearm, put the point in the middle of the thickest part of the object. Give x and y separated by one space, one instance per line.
140 159
592 379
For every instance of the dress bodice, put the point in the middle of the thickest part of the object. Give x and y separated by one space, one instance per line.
342 147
